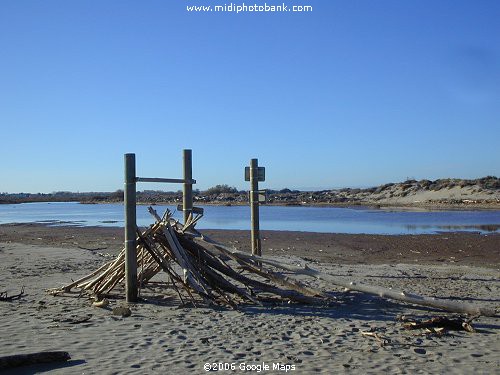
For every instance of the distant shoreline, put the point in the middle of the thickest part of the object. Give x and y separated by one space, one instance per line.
443 194
354 205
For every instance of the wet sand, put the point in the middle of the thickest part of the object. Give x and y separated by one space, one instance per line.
454 247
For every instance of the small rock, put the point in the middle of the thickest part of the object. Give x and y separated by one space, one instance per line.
420 350
123 311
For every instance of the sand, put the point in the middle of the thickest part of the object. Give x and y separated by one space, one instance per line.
161 337
469 194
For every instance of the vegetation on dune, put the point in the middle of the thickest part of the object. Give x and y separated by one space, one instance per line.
226 194
220 189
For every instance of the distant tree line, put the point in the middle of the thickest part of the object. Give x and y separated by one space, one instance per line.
226 193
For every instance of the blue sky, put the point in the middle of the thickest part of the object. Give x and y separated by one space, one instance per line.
354 93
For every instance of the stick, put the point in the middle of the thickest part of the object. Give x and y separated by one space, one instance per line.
381 341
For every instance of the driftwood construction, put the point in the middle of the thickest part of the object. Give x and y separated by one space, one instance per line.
203 271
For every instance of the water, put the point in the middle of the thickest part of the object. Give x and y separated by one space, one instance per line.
308 219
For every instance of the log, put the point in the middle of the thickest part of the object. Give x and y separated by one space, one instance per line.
18 360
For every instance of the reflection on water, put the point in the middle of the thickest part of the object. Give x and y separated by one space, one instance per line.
296 218
452 228
55 223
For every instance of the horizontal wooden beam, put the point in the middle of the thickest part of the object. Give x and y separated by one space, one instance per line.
166 180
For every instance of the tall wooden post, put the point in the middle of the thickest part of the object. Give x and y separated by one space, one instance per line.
130 228
254 206
187 192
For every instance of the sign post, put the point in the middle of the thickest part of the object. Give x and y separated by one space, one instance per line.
254 174
187 196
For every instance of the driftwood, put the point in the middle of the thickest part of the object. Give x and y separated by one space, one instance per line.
18 360
5 297
196 270
102 303
440 323
198 265
453 306
380 340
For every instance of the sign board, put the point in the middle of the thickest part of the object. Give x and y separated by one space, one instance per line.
262 196
261 174
195 210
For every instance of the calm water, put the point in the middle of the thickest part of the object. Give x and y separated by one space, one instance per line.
309 219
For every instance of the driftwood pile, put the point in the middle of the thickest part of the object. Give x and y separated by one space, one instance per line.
198 267
195 271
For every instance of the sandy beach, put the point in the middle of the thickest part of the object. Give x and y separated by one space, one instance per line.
162 337
249 187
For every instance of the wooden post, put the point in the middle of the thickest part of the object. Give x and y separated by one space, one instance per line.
187 192
254 206
129 194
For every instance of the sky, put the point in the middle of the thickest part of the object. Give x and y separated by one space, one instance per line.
353 93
